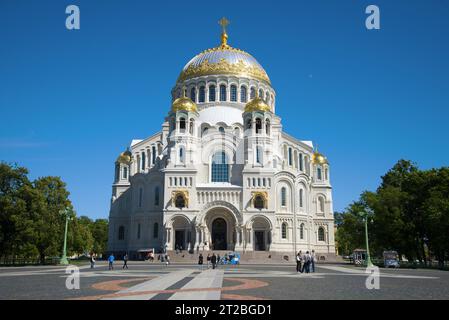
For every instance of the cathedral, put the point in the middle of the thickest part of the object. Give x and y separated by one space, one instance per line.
222 174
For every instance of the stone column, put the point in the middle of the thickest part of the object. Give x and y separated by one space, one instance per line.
239 242
167 239
197 238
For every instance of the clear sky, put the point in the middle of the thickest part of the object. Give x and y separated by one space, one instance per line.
71 101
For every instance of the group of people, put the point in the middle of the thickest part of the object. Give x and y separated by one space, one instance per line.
211 260
305 262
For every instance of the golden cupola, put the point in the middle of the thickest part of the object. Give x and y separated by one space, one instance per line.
257 104
183 104
124 157
224 60
318 158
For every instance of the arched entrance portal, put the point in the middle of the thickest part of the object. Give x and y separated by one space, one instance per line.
219 231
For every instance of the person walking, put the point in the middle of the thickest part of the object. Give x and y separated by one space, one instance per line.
92 260
218 259
208 260
167 259
307 262
111 261
200 261
299 261
213 260
313 260
125 261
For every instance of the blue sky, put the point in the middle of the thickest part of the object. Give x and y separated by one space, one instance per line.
70 101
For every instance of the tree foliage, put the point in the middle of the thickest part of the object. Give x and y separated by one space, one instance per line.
31 222
410 214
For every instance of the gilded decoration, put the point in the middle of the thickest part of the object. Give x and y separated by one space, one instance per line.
223 67
318 158
124 157
262 194
182 193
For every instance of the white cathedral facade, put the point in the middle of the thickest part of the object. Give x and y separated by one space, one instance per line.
222 174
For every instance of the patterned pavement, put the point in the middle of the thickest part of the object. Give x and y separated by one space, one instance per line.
145 281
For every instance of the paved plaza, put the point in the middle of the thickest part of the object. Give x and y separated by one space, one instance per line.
154 281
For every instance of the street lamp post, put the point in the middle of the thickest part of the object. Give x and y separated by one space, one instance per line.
64 259
365 216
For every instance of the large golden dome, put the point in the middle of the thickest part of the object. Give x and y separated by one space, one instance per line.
183 104
257 104
224 60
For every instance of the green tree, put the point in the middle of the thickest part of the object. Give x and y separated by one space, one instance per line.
49 223
350 229
100 230
13 181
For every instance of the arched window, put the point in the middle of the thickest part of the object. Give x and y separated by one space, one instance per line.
180 202
301 164
222 92
259 155
252 93
267 126
202 94
205 131
193 94
321 235
181 155
248 124
138 231
243 94
290 156
117 172
212 94
319 174
220 167
301 196
237 132
284 230
258 125
143 161
261 94
155 230
121 233
156 196
153 156
283 196
233 93
182 124
221 130
301 231
321 204
125 173
259 202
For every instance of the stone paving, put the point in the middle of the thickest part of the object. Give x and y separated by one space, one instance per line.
154 281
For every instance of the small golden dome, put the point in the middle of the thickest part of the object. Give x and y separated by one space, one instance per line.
257 104
124 157
318 158
183 104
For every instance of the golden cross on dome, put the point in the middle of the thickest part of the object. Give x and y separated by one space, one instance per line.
223 22
224 36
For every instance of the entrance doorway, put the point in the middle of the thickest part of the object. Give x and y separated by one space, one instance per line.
180 239
259 243
219 229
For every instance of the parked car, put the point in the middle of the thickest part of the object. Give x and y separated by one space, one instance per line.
391 259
